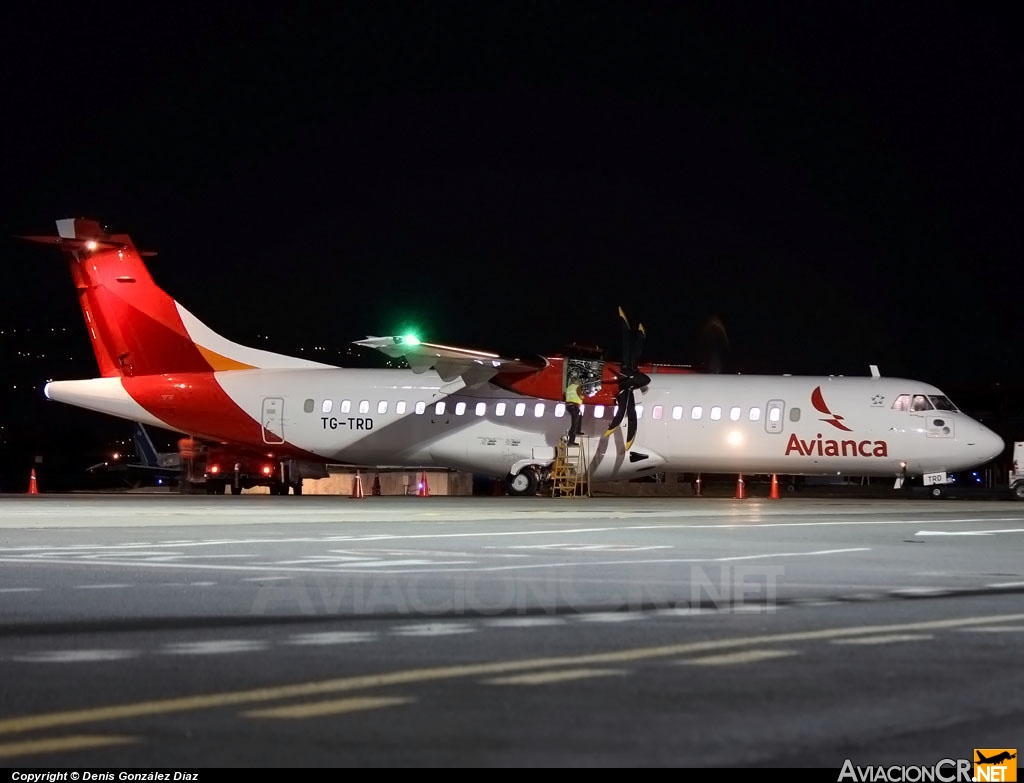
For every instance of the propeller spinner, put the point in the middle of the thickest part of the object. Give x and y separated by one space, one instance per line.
629 378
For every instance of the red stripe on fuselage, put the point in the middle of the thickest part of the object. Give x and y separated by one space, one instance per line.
196 404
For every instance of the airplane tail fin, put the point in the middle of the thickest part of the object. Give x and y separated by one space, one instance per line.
135 327
144 448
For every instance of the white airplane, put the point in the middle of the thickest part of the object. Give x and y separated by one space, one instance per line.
485 413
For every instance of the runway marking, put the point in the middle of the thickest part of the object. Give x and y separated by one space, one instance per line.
331 637
755 523
736 658
381 566
968 532
893 638
336 707
1004 585
216 647
546 678
265 578
48 720
58 744
610 617
102 587
523 622
20 589
922 592
75 656
995 629
432 629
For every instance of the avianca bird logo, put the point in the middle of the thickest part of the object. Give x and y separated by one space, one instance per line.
819 403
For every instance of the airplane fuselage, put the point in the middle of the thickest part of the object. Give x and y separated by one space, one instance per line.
795 425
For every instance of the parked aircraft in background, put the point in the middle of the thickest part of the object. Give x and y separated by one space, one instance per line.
483 412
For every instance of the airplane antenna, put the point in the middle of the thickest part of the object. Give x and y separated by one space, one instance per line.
874 371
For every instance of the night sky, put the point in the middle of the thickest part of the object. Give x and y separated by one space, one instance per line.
839 182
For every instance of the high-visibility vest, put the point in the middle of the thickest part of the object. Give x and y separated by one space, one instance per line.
572 394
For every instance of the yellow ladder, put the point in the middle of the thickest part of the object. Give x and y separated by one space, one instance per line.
569 472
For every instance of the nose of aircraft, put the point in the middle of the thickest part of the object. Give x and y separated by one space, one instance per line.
988 444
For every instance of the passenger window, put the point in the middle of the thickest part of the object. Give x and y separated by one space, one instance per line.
382 406
307 406
920 403
499 409
346 406
677 412
775 414
755 414
326 407
656 413
439 408
794 414
697 412
639 411
420 408
400 407
598 411
560 410
716 413
481 408
538 409
520 408
734 414
364 406
460 408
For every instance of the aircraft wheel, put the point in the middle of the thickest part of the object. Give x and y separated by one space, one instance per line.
524 483
1018 490
297 488
236 490
936 493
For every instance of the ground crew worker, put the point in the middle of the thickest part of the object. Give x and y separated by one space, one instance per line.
573 400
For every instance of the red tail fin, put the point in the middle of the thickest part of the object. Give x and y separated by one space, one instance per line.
135 327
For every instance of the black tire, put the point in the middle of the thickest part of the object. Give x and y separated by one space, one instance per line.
297 488
1018 490
523 484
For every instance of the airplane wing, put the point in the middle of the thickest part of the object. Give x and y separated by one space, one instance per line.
451 362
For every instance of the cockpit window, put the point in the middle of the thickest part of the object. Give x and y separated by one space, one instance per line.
901 403
941 402
920 403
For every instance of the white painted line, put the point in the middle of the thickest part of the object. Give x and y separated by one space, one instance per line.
432 629
102 587
684 611
202 584
216 647
20 589
610 617
266 578
331 637
922 591
994 629
968 532
523 622
1004 585
75 656
892 638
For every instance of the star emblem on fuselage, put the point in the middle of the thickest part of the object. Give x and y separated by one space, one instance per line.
878 399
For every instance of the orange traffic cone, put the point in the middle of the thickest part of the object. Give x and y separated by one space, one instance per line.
357 486
775 488
741 490
424 490
376 484
32 488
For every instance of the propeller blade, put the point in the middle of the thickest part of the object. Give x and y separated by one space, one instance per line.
638 344
620 411
626 341
630 421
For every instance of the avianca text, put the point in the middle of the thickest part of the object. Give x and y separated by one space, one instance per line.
836 448
353 423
